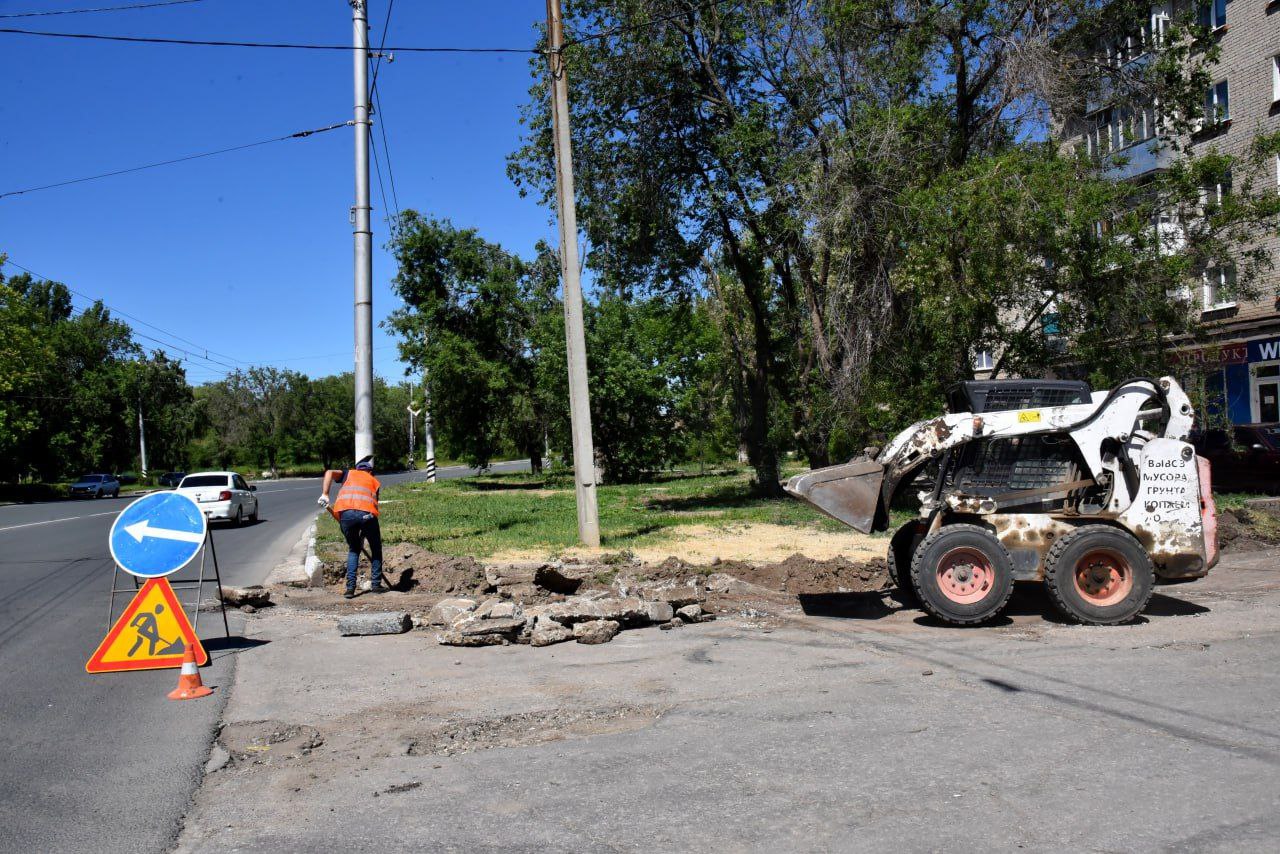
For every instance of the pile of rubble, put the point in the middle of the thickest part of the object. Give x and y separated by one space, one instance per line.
538 604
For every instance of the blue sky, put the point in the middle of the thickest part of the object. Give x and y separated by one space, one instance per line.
249 253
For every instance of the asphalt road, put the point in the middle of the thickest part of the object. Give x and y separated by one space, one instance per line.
106 762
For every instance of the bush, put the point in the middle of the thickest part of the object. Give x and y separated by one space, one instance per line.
26 493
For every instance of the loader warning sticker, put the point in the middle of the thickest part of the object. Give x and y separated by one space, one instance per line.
151 634
1029 416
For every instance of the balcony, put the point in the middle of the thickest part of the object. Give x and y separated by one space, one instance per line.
1139 159
1099 99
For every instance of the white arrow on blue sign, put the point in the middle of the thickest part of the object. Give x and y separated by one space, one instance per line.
158 534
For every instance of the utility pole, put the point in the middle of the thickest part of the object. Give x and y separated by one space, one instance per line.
428 434
413 414
363 234
584 458
142 439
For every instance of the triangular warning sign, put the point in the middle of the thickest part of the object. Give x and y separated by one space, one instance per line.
151 634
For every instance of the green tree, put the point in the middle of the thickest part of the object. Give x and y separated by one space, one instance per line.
470 308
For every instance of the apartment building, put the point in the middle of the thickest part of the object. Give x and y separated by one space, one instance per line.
1235 364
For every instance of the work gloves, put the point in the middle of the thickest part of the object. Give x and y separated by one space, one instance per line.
323 501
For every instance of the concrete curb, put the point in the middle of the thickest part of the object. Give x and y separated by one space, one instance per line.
1270 503
301 567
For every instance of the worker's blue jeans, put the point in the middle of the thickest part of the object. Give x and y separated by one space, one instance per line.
358 526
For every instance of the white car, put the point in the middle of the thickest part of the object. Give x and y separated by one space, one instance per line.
222 495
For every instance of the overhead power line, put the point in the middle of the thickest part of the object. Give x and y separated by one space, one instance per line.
343 47
100 9
199 348
391 211
298 135
199 357
276 45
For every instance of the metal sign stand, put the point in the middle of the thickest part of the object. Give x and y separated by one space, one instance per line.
208 548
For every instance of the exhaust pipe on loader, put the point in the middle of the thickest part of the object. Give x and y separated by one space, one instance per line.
848 493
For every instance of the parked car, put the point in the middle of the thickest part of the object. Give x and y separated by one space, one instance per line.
127 478
171 479
95 486
1247 458
222 495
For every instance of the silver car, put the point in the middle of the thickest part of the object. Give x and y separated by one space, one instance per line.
95 486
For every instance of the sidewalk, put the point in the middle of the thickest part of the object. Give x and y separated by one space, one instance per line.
829 732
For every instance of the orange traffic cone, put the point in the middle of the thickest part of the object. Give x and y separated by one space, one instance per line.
189 685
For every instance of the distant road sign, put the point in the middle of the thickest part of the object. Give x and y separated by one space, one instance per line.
158 534
153 632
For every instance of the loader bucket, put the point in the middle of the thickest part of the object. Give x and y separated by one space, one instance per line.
848 493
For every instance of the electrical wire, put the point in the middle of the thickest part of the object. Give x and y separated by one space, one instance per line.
276 45
200 358
382 45
95 300
298 135
406 49
100 9
392 222
391 175
382 191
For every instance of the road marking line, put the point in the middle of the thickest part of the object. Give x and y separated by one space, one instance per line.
65 519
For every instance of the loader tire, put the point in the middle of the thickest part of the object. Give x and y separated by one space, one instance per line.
1099 575
902 546
962 574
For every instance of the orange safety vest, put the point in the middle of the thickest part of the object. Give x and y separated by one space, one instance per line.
359 492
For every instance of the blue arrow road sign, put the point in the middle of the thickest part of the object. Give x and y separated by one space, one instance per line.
158 534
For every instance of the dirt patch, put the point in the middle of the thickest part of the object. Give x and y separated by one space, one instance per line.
797 574
1248 530
408 567
268 742
749 542
525 728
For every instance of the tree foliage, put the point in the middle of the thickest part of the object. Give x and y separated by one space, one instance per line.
73 385
871 194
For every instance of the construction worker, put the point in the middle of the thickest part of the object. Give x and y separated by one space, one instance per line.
357 513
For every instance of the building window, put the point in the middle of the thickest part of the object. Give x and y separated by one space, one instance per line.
1179 293
983 361
1158 27
1212 195
1213 14
1219 287
1275 79
1217 105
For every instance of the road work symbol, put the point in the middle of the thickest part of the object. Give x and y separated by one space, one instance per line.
151 634
158 534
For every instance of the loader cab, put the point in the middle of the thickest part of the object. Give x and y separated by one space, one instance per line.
995 467
1001 395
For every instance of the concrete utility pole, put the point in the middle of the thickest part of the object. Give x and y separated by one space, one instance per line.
363 234
584 459
142 438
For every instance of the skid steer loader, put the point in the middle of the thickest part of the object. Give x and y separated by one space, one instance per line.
1097 494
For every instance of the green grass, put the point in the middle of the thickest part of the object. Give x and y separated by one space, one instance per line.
487 514
1234 500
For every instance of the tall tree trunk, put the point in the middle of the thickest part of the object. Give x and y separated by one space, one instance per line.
761 453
